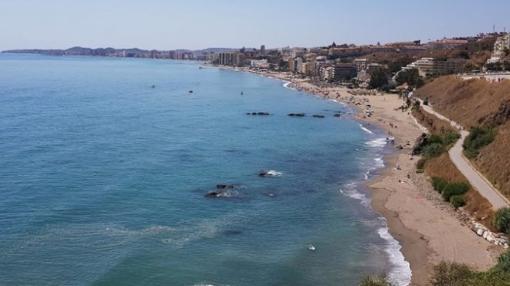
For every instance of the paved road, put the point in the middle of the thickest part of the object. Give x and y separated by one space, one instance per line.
475 178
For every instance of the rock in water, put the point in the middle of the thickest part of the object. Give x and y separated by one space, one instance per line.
224 186
270 173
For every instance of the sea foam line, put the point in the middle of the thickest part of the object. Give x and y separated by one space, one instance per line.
379 142
365 129
287 84
400 273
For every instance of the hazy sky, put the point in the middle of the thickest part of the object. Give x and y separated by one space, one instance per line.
158 24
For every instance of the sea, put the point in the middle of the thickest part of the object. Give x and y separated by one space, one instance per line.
106 165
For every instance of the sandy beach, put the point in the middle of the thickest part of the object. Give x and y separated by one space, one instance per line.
428 229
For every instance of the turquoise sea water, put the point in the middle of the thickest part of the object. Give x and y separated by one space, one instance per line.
103 177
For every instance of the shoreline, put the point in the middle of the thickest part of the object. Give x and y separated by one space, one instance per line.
425 227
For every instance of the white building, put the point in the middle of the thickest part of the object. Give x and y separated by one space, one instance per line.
259 64
501 45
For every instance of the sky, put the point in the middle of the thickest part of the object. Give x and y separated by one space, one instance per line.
197 24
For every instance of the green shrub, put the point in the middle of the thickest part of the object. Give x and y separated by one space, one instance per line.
453 189
504 262
502 220
478 138
457 201
439 184
450 137
434 138
451 274
374 281
433 150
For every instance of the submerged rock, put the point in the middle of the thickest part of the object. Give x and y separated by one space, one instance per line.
224 186
222 191
270 173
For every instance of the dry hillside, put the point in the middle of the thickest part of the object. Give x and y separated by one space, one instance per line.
443 167
475 103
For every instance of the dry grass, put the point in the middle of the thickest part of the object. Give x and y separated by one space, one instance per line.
432 123
474 103
476 205
443 167
468 102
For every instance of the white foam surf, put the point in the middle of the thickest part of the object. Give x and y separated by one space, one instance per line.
288 84
351 190
400 273
379 162
273 173
365 129
377 143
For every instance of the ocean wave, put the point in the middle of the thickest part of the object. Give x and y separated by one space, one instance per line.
400 273
379 162
365 129
288 84
377 143
351 190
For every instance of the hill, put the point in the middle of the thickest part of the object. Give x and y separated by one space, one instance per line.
478 103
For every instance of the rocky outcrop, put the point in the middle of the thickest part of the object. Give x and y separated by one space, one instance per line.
494 238
500 117
222 191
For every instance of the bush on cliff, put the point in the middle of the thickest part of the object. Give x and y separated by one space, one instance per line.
451 274
430 146
374 281
457 201
504 262
433 150
502 220
478 138
453 189
439 184
450 137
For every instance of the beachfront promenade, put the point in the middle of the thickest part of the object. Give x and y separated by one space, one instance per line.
475 178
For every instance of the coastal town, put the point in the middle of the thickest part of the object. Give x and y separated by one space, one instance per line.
375 66
378 66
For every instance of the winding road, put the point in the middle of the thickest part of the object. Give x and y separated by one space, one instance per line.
475 178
